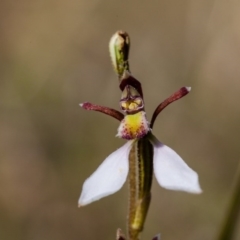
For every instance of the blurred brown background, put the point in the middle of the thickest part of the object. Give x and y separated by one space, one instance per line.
54 55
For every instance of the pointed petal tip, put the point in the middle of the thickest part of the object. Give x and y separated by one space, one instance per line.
198 191
81 104
197 188
120 235
157 237
80 204
188 88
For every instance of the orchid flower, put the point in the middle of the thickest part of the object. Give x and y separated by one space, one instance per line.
142 154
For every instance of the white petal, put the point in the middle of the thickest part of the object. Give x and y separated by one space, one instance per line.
171 171
108 178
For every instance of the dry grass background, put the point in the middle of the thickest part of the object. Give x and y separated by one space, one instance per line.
54 55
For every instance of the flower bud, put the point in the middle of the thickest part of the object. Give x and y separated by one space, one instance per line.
119 49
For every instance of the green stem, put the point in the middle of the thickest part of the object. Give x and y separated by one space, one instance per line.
140 181
229 224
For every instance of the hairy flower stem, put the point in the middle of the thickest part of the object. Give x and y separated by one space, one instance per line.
140 181
230 222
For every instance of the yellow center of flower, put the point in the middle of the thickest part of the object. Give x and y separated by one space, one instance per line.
133 126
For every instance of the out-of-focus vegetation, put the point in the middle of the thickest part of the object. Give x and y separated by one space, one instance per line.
54 55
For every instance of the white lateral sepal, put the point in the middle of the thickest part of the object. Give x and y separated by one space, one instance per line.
108 178
171 171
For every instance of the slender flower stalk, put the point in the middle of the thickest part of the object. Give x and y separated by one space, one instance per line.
142 155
